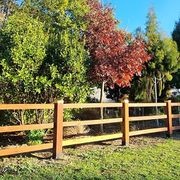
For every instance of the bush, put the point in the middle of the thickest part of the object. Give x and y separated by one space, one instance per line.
35 137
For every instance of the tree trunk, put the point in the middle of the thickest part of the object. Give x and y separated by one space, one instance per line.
155 92
101 110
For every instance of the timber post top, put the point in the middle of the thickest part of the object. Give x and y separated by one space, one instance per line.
126 101
60 101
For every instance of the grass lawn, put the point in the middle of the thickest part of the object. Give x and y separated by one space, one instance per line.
147 158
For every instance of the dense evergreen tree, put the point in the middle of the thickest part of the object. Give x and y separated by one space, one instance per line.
176 33
164 61
176 37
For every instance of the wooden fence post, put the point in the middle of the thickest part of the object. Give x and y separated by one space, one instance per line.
125 123
58 129
169 118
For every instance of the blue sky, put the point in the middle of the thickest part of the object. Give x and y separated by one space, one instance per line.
132 13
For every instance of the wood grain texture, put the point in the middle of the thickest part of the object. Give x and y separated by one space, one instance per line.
25 106
176 128
16 128
92 105
175 115
175 104
169 118
58 130
70 142
147 131
125 123
146 118
25 149
92 122
147 104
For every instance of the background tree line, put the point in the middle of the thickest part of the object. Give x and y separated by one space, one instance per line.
60 49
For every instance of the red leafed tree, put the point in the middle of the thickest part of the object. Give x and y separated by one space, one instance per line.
115 60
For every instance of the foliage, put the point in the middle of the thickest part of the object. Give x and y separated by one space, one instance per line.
176 80
115 56
65 64
43 55
35 137
54 65
176 37
164 61
159 161
26 117
23 43
8 6
176 33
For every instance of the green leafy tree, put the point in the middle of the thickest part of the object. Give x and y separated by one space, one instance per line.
45 60
164 62
23 49
43 55
66 61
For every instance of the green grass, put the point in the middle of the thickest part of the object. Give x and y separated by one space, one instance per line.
155 161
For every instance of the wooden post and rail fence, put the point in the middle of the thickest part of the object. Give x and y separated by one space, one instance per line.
58 124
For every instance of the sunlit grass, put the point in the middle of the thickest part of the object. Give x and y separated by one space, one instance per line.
157 161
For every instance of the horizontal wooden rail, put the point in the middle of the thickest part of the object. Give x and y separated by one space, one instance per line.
91 105
58 124
145 118
176 128
70 142
6 129
92 122
175 115
25 106
25 149
148 131
147 104
175 104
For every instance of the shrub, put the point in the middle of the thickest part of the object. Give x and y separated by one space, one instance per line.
35 137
